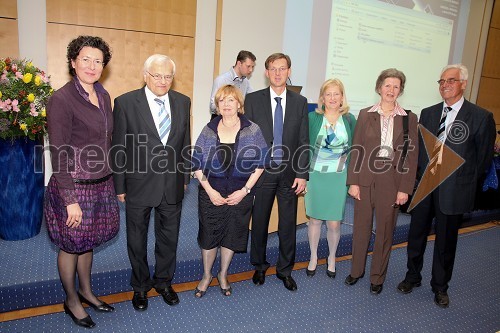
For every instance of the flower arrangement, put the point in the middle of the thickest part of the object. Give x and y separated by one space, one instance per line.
24 92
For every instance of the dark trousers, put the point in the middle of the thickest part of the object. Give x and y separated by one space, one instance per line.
166 226
446 227
379 196
274 185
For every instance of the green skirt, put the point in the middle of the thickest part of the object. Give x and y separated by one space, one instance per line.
326 195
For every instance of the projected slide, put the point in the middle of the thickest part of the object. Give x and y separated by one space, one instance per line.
354 40
369 36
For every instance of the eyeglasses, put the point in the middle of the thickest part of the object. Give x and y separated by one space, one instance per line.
87 62
277 70
158 77
448 81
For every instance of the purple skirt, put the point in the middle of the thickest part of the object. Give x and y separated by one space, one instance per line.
100 221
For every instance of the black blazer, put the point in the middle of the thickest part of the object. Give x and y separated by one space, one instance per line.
295 129
143 168
457 192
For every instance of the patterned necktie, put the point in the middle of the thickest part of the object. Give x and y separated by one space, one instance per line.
278 132
437 152
164 126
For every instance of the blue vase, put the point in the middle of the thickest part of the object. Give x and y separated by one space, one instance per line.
21 189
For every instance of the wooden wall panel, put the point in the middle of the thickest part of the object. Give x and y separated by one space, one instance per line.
9 38
8 9
130 50
174 17
495 17
217 59
489 97
218 29
491 65
218 32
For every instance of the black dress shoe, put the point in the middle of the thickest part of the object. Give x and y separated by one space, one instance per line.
376 289
86 322
169 295
331 274
140 300
349 280
406 286
103 307
259 277
288 282
441 299
310 273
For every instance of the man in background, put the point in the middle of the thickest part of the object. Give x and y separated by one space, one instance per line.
236 76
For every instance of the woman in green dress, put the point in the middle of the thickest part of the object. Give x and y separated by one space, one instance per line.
330 134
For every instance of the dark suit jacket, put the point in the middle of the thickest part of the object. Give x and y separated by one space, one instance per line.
457 193
295 129
144 169
366 144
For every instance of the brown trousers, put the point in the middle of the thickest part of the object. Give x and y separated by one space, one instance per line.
379 196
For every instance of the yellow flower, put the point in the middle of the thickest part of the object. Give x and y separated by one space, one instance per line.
27 77
0 94
29 65
43 113
31 98
23 126
38 80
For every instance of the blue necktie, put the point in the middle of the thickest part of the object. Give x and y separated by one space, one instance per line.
164 126
278 132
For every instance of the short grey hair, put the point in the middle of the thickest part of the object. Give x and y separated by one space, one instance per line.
158 58
391 73
464 73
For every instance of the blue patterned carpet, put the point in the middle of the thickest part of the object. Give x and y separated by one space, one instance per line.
29 277
320 304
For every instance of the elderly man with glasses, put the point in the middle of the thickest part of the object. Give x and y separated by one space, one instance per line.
150 143
464 129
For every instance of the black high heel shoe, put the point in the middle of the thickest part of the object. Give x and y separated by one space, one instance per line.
310 273
103 307
198 293
86 322
226 291
331 274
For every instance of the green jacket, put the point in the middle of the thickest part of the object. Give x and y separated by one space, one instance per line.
315 122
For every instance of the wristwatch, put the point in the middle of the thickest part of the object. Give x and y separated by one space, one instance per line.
247 189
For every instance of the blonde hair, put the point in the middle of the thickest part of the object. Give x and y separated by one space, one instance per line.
229 90
344 107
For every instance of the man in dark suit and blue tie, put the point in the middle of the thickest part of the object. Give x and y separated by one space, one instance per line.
151 140
469 132
283 118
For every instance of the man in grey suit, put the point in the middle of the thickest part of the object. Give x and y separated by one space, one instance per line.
150 159
282 116
469 131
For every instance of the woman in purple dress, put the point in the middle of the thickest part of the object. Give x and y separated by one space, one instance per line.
81 209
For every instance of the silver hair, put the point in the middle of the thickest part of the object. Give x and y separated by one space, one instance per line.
160 58
464 73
